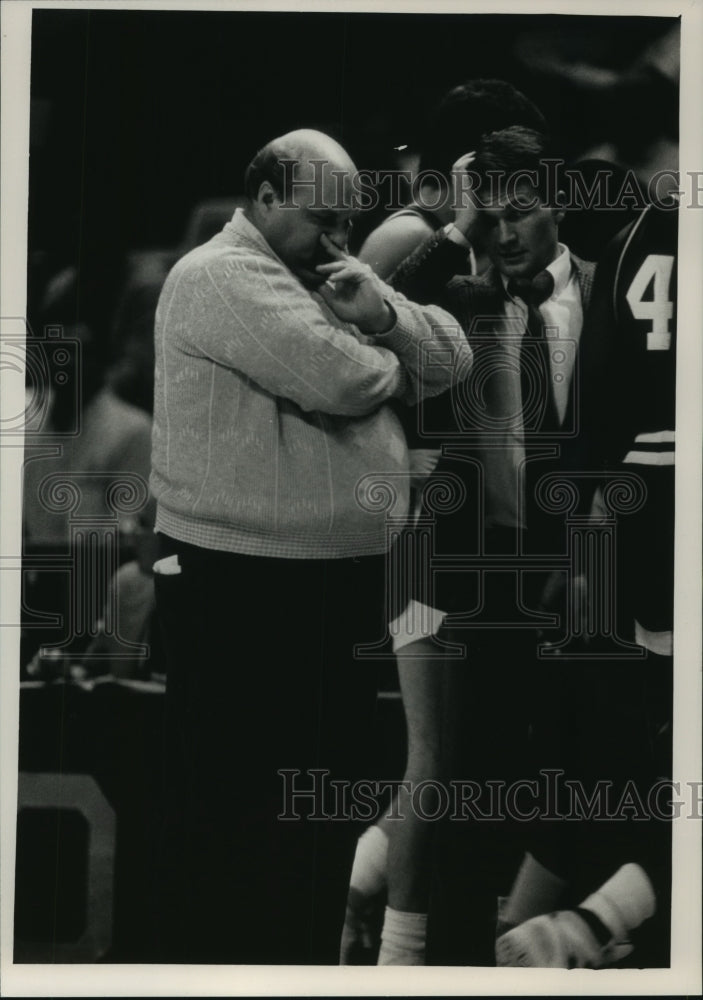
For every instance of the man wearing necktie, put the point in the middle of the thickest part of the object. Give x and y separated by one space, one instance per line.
466 714
524 313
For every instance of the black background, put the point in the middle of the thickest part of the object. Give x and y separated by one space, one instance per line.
138 115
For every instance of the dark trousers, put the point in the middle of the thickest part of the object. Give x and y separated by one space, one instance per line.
607 726
485 726
509 718
262 679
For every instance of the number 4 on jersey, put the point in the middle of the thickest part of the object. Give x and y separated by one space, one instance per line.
659 309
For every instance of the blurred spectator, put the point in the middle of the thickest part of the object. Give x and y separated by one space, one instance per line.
131 596
85 428
207 218
131 375
127 617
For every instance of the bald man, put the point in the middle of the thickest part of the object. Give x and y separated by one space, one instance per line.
277 355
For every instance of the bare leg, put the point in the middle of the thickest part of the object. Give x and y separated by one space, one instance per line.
420 669
421 672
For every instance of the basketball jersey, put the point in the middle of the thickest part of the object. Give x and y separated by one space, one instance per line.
628 382
644 305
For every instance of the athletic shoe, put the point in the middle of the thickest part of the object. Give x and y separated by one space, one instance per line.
563 940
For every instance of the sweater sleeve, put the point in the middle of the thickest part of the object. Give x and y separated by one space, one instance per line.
431 346
247 312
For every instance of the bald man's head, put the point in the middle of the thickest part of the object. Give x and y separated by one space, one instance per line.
299 186
301 147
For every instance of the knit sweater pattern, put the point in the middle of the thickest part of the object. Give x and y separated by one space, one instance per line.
272 431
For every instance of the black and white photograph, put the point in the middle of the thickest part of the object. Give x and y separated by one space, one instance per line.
351 498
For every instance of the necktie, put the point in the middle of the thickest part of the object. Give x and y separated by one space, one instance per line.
539 412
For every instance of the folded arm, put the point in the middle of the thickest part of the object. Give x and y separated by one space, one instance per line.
250 314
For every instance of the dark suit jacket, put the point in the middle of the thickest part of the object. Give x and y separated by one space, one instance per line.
427 276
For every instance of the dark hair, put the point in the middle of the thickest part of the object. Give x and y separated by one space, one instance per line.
469 111
511 151
266 166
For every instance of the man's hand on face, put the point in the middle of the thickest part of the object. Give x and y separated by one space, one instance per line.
353 292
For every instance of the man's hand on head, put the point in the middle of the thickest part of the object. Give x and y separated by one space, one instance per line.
466 208
353 292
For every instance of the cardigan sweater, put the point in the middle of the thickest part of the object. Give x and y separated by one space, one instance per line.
272 430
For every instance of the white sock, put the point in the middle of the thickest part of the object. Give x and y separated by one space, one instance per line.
403 938
369 869
624 902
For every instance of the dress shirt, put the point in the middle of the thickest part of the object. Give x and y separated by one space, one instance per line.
504 453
